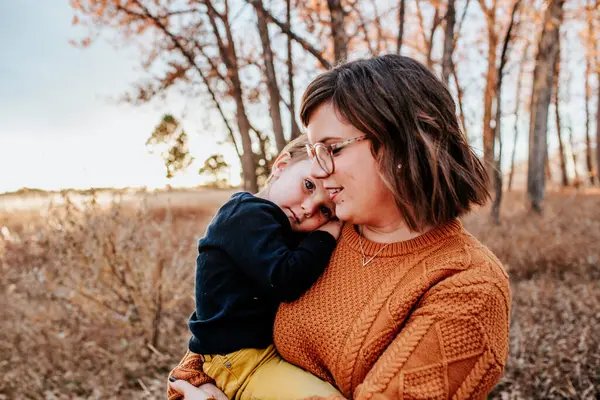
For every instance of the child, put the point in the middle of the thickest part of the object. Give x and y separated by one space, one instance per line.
249 261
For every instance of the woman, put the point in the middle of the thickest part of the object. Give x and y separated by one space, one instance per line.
411 305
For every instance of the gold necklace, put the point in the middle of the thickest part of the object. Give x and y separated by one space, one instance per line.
362 251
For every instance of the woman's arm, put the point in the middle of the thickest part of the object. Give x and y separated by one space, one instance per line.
455 343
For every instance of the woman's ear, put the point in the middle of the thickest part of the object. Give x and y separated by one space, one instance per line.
281 162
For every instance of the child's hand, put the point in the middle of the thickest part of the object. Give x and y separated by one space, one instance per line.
333 227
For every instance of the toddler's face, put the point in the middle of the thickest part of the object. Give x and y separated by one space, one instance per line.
301 197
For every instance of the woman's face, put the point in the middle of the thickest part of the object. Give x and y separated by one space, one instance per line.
356 186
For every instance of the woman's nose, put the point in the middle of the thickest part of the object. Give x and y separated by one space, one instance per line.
316 171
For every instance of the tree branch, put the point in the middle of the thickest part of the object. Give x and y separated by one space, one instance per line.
285 28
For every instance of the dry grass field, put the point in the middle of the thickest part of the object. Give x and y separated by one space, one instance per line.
96 291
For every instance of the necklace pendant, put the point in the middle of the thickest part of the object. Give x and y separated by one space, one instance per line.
365 262
362 252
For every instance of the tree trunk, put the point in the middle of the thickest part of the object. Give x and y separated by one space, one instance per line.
547 166
459 97
598 127
272 87
588 141
248 164
488 100
497 131
290 67
561 149
588 93
577 180
543 77
598 105
516 127
338 32
401 13
497 203
428 40
229 56
497 171
448 42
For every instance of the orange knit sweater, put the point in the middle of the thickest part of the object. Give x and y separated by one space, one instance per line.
427 318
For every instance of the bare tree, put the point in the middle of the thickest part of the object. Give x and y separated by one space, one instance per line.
184 43
460 99
290 67
597 13
598 97
271 78
448 41
490 86
227 50
567 122
401 15
287 29
497 132
561 149
520 75
338 30
598 132
543 77
459 88
428 37
577 180
588 89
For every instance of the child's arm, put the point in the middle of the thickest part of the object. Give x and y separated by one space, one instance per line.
254 237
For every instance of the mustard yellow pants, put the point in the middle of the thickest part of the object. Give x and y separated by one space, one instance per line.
261 374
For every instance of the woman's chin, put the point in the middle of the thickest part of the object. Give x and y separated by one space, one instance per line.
344 213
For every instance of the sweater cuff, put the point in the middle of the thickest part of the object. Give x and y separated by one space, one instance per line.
190 370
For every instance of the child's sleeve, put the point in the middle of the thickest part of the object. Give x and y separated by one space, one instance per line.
254 237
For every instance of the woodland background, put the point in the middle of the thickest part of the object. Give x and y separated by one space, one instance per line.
98 284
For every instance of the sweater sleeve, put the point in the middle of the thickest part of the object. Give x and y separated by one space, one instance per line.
455 344
254 236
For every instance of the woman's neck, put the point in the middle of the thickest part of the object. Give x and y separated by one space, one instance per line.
390 232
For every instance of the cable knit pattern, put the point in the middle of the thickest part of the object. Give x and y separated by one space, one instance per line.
426 319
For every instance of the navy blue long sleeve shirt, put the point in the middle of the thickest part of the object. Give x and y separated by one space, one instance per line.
248 262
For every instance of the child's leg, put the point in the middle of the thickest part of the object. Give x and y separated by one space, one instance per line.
231 371
277 379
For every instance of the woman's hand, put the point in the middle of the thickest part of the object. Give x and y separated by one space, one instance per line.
208 391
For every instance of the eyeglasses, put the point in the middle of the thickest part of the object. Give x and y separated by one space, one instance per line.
323 153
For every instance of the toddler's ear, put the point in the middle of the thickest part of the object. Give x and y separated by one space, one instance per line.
281 162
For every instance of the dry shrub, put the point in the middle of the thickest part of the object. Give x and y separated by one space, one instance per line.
553 262
98 295
564 240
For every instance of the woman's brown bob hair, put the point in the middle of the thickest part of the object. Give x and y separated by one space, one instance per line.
409 117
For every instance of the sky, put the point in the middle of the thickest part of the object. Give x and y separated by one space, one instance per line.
61 125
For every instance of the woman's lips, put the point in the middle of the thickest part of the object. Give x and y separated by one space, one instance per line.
333 192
